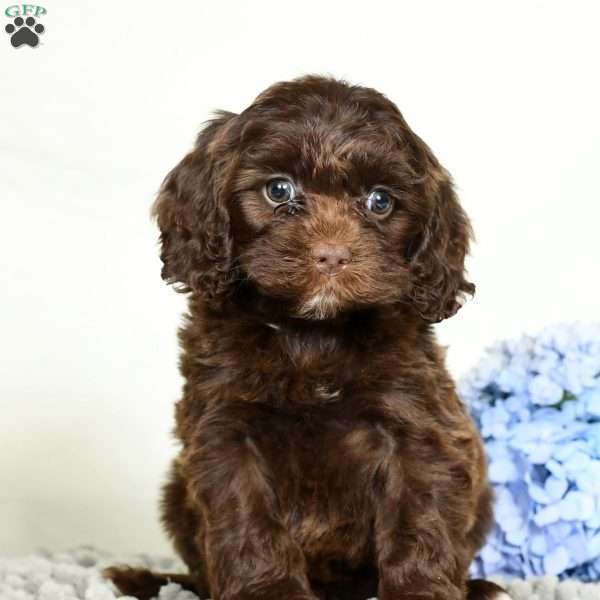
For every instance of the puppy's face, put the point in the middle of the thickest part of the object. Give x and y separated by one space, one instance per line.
320 196
321 210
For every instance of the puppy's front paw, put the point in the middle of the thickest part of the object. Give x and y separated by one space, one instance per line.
423 590
279 590
139 583
479 589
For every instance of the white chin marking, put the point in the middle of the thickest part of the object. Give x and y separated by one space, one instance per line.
321 306
501 596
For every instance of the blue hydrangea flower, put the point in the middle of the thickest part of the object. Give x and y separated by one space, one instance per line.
536 400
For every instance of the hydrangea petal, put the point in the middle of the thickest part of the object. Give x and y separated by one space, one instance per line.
539 494
591 400
545 391
565 451
579 461
490 555
576 505
556 469
559 531
556 487
577 549
556 561
538 544
512 524
593 546
502 470
548 514
541 453
517 537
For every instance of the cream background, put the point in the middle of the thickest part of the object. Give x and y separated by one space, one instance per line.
506 93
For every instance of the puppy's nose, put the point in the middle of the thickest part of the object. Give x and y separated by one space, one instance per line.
331 258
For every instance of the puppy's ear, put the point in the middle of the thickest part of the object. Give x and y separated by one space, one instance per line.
195 237
439 284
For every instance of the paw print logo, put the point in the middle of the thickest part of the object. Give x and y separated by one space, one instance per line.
24 32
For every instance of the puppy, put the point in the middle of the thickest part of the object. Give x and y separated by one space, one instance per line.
324 451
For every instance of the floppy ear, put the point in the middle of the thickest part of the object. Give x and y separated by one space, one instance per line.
195 238
437 266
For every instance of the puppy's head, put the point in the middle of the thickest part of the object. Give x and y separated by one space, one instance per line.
318 195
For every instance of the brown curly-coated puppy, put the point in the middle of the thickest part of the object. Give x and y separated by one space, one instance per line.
325 453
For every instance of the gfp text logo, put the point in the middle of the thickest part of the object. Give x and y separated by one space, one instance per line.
24 29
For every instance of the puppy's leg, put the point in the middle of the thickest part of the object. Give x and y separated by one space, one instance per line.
182 521
249 553
418 555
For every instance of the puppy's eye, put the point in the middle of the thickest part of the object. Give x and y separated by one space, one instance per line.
280 190
380 203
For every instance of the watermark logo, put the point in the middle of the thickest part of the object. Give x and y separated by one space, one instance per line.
25 28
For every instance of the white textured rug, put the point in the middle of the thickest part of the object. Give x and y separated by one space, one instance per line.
75 575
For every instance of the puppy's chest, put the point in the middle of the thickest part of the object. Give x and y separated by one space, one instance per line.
323 452
299 371
322 466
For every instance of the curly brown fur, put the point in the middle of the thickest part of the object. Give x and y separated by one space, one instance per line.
325 452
